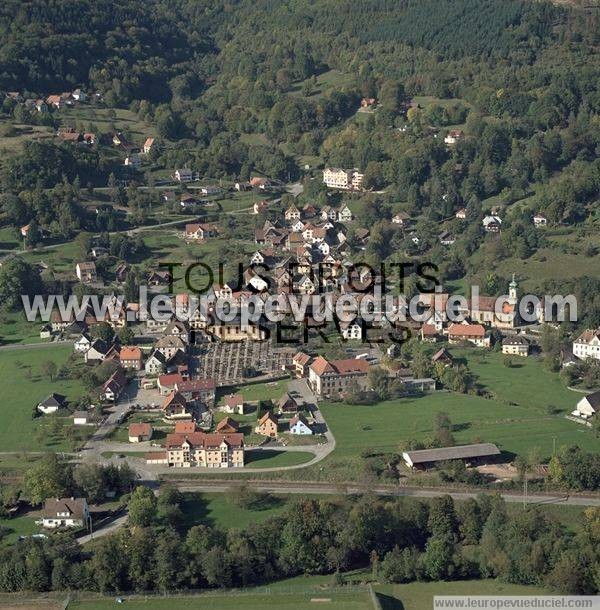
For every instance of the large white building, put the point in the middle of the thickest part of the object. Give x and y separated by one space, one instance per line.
65 512
347 179
587 345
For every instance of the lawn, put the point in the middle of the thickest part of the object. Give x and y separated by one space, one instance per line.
271 390
218 509
419 595
515 429
271 458
14 328
354 599
23 525
23 387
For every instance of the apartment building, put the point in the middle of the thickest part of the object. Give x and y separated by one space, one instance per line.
336 377
202 450
346 179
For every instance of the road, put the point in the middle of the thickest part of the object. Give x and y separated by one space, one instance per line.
384 490
109 528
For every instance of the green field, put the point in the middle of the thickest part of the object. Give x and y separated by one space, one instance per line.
23 387
270 390
355 599
515 428
419 595
271 458
218 509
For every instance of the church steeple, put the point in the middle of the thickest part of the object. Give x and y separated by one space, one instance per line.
512 290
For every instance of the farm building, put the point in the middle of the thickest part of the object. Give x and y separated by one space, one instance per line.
425 458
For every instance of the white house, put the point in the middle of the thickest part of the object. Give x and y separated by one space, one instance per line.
82 344
80 418
515 346
299 425
184 175
351 330
65 512
51 404
587 345
588 405
540 221
492 223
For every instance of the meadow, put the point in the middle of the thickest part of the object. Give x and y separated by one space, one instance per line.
24 386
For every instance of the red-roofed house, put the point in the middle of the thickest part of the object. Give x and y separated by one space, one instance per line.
131 357
473 333
139 433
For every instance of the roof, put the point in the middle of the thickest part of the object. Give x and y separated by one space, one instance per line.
140 429
169 380
53 400
588 335
80 415
267 416
73 506
185 427
451 453
594 400
348 366
299 418
233 400
301 358
441 354
466 330
203 440
195 385
174 398
130 352
227 424
515 340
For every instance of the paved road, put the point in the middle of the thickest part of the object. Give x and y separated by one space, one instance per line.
109 528
337 489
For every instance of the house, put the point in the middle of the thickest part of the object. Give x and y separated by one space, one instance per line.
148 144
187 201
344 214
55 101
167 383
587 345
227 426
368 103
453 136
515 346
288 404
185 427
175 407
86 272
260 206
156 363
401 218
258 182
267 425
52 403
79 95
234 403
198 391
121 272
130 357
539 221
476 453
82 344
299 425
328 378
97 351
473 333
491 223
345 179
211 190
292 213
65 512
352 330
461 214
80 418
114 386
301 362
199 449
442 356
169 345
133 161
184 175
200 230
429 333
139 432
588 405
446 238
46 331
